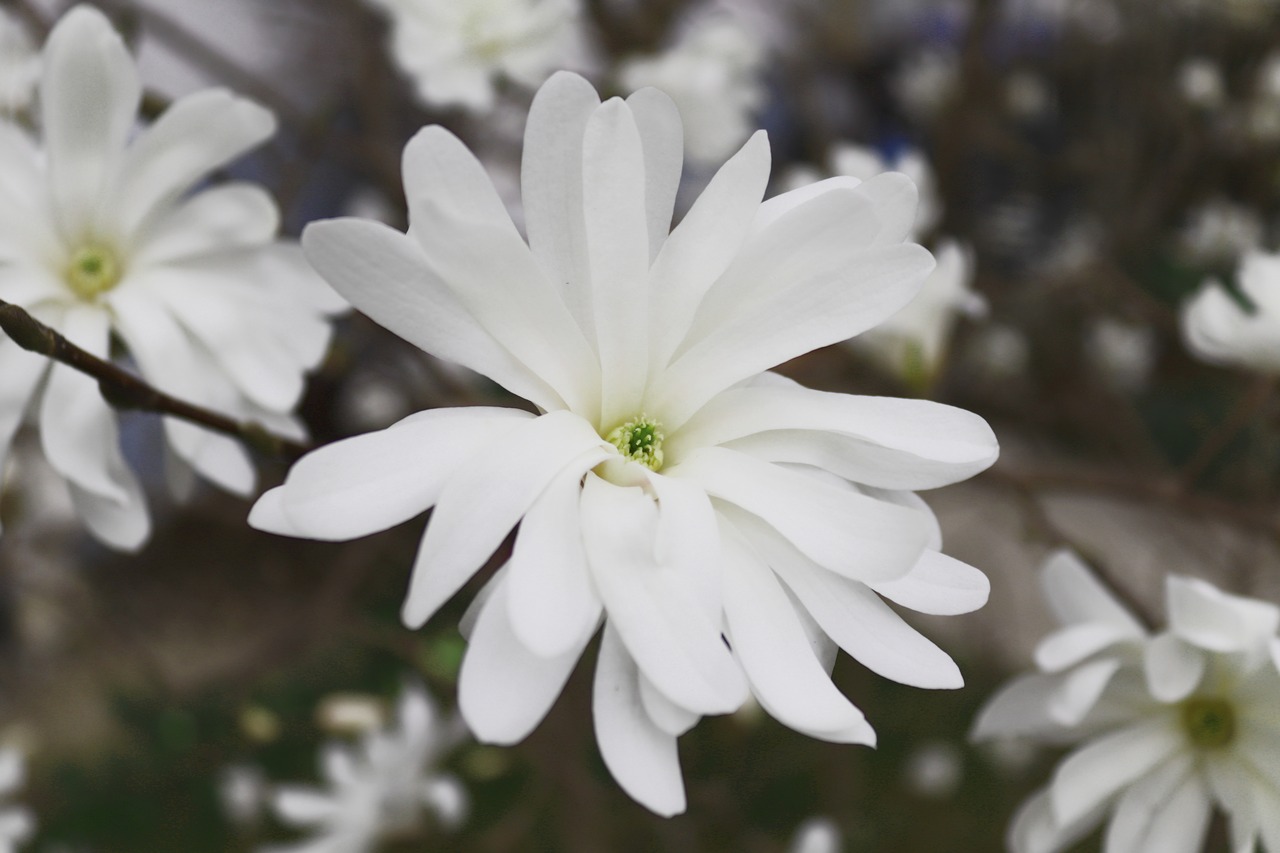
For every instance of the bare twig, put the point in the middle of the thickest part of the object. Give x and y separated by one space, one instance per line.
123 390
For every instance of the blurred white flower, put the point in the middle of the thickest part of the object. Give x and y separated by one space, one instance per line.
668 481
1173 724
16 822
1218 329
1027 95
350 713
1200 81
379 787
863 162
98 236
817 835
19 64
713 73
242 790
1264 110
457 52
926 81
1123 353
1221 230
934 769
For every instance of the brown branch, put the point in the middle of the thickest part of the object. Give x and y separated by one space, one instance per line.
123 390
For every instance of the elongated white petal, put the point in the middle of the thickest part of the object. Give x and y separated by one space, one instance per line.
1069 646
879 441
775 653
551 596
1218 330
852 534
939 585
703 245
485 499
1074 595
224 218
504 689
439 168
664 713
1035 830
1141 808
1173 668
122 523
374 481
1019 708
89 97
22 371
384 274
303 806
617 255
1080 689
1097 771
656 608
641 757
195 135
1205 616
688 536
662 138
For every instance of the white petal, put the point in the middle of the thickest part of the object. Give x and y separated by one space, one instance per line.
1094 773
702 246
486 497
939 585
775 652
641 757
551 187
617 255
1142 811
550 593
439 169
666 715
303 806
197 134
1217 329
225 218
662 137
504 690
656 608
852 534
122 524
384 274
1019 708
1080 690
879 441
89 97
447 797
1173 668
22 371
1034 829
371 482
1069 646
1074 595
1205 616
688 536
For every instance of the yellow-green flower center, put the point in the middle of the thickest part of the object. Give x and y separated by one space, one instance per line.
94 269
1209 722
640 440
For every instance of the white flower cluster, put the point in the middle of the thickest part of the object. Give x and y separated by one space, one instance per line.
1219 329
1172 724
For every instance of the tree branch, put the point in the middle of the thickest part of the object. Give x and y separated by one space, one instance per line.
123 390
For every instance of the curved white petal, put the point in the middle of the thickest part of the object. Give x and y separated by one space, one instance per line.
1069 646
1019 708
1074 595
1205 616
662 138
1218 330
1142 813
1080 689
1034 829
641 757
1097 771
1173 667
227 217
22 372
938 585
664 713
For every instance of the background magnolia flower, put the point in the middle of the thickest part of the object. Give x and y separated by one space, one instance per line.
1221 230
1218 329
19 64
1172 724
16 822
456 52
713 73
101 236
669 484
379 787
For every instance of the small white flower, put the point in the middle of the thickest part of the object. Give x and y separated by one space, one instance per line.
713 73
1172 724
457 52
1218 329
926 81
379 787
1200 81
1221 230
817 835
1123 353
19 65
16 822
100 236
668 483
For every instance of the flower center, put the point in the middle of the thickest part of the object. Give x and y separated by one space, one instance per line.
94 269
1210 722
640 440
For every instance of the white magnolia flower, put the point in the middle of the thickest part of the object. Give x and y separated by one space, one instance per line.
19 64
863 162
926 81
1123 353
16 822
99 236
379 787
456 52
1173 724
817 835
1218 329
713 73
666 482
1201 83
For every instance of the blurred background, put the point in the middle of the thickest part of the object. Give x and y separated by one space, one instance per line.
1085 167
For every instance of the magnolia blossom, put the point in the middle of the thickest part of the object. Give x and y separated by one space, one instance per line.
456 52
379 787
713 73
1201 83
668 484
19 64
16 822
100 237
1218 329
1173 724
863 162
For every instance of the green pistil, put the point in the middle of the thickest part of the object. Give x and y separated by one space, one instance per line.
640 440
1209 722
93 270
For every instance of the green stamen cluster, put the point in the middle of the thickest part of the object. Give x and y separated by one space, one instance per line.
1209 722
640 440
93 270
